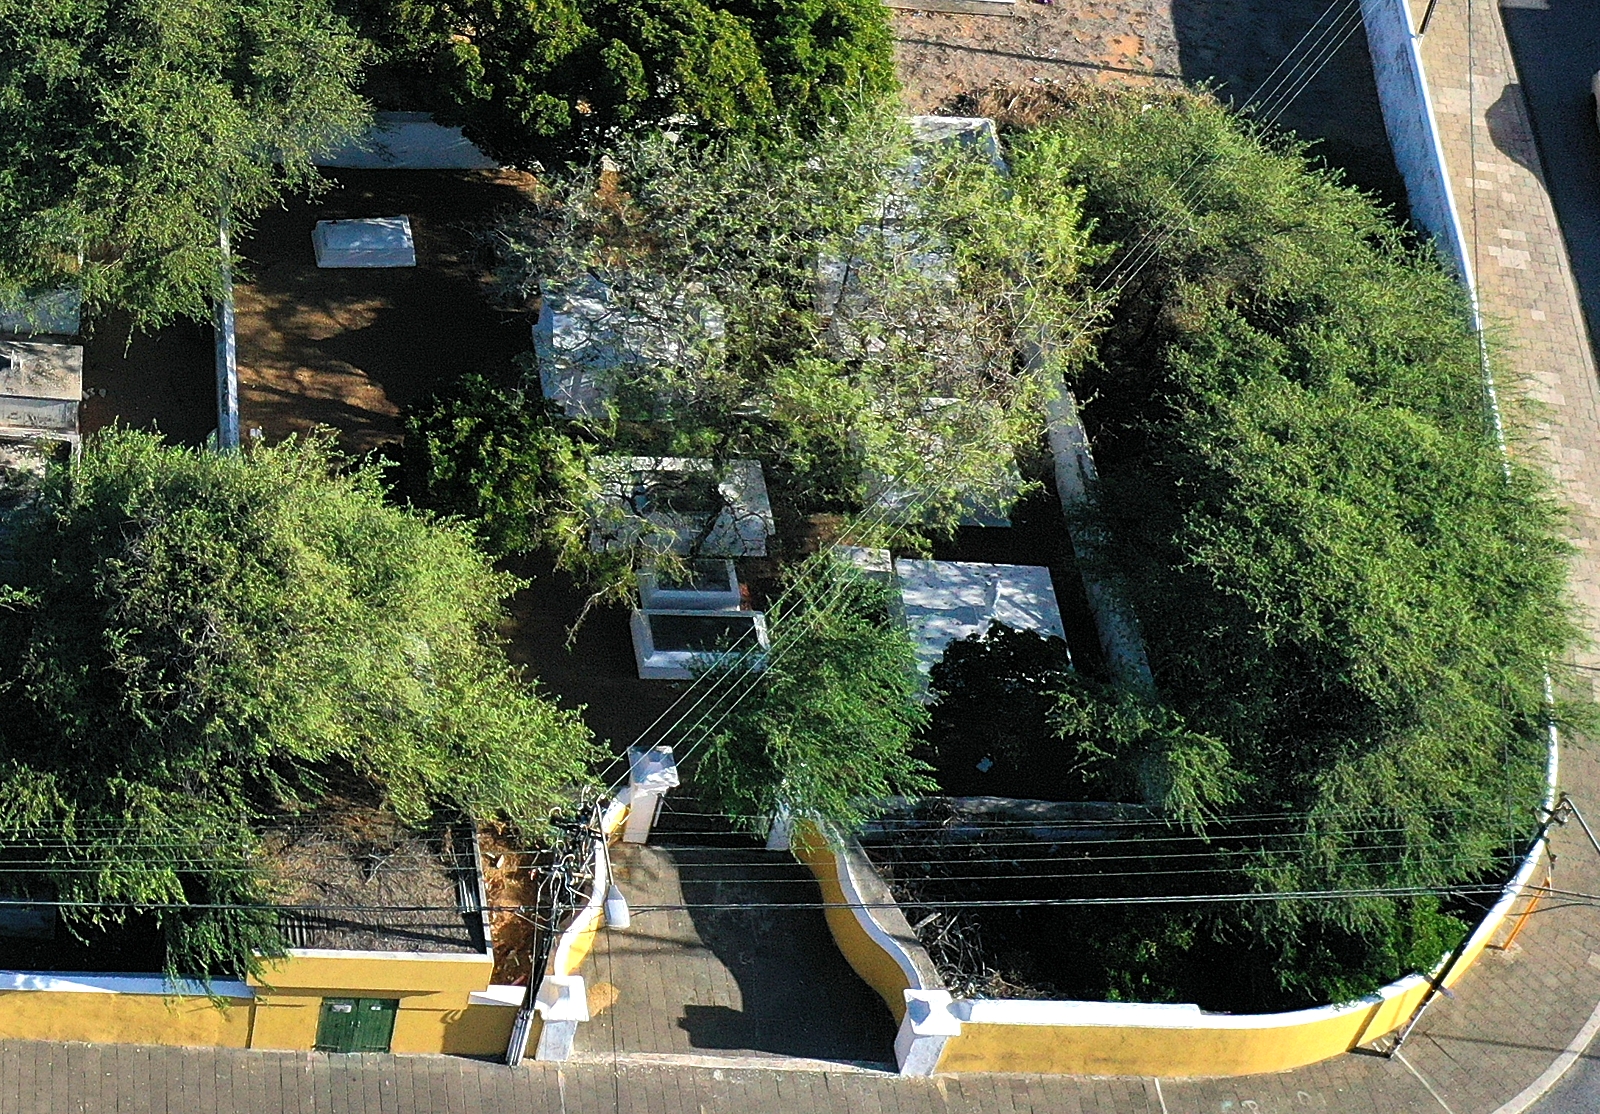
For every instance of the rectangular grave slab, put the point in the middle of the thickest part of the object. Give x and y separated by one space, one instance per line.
370 242
53 312
675 645
408 141
946 600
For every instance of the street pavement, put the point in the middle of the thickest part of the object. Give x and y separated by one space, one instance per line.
1556 44
1556 47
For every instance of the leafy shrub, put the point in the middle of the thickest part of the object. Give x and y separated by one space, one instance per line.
131 124
190 642
502 462
550 79
1350 597
824 730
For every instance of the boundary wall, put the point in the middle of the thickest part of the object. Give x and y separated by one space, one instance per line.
1109 1038
446 1002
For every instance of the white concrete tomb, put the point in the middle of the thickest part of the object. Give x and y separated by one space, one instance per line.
947 600
673 645
678 504
371 242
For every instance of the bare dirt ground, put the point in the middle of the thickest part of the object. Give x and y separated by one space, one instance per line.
945 61
597 671
349 349
162 381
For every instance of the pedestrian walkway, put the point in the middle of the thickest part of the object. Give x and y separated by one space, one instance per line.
725 982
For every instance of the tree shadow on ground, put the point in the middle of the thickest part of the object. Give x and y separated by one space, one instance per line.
1326 94
799 996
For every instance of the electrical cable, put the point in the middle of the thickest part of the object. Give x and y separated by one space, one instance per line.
774 654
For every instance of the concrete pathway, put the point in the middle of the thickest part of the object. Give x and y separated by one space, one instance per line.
726 982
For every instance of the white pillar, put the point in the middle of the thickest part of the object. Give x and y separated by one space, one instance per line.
562 1002
227 352
928 1023
650 774
781 834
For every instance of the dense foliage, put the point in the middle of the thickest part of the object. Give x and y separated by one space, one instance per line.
1350 597
550 79
846 310
131 126
502 462
823 731
993 723
191 642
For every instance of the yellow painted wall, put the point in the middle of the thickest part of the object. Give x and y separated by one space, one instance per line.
581 935
435 1013
1148 1050
1119 1049
876 966
123 1019
375 971
1141 1050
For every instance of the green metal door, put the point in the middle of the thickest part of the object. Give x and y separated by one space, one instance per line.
375 1023
356 1024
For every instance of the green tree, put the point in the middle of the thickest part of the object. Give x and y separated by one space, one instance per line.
503 463
1350 597
823 728
193 642
548 80
868 304
131 125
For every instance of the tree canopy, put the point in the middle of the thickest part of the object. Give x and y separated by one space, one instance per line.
193 642
821 727
845 309
550 79
1350 596
132 125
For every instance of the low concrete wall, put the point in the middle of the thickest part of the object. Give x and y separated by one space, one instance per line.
1112 1038
577 939
445 1004
871 932
435 992
1408 118
123 1009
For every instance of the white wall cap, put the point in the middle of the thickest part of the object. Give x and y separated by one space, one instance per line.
562 998
61 982
929 1013
653 770
498 994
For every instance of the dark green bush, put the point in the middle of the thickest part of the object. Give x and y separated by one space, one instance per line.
191 642
501 461
550 79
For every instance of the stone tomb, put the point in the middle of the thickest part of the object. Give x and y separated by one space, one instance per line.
40 387
370 242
